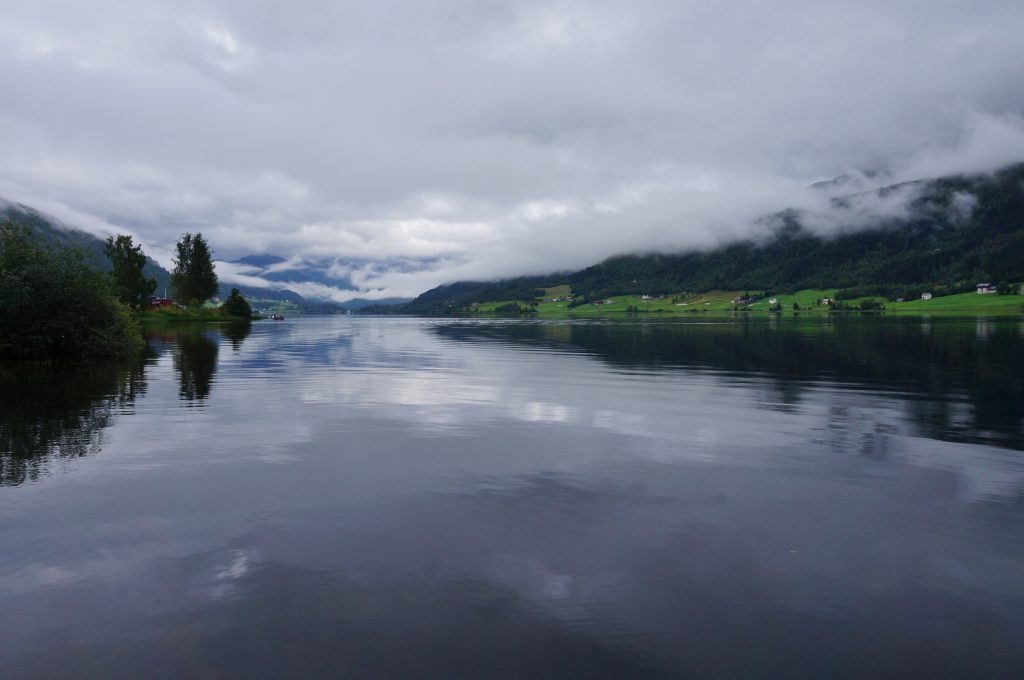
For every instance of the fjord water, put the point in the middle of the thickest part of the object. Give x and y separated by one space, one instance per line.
397 497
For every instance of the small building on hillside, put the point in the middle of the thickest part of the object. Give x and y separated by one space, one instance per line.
986 288
926 296
773 301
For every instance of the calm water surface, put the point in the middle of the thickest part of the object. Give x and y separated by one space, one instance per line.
366 497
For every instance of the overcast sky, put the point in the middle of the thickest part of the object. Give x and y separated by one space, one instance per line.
437 141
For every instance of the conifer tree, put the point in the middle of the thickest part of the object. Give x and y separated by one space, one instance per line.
193 277
236 305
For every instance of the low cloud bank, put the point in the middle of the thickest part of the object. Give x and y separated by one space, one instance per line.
484 140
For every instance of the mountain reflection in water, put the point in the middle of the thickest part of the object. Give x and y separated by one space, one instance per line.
973 363
382 497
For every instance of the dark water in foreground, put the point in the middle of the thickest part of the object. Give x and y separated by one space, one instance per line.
358 497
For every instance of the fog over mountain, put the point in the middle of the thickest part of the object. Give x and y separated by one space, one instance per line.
400 145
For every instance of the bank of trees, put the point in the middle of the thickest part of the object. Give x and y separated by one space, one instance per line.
56 306
60 306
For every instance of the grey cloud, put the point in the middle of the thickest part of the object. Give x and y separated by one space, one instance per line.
489 139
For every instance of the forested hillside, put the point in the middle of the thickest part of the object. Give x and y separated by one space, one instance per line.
48 232
451 298
935 246
956 232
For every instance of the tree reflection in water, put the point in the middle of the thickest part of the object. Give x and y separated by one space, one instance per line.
42 427
236 333
195 361
53 415
194 352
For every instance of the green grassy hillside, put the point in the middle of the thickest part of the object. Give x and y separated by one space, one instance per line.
722 302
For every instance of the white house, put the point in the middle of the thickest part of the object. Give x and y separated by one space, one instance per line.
926 296
986 288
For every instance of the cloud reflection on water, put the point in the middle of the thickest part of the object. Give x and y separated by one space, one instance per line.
528 492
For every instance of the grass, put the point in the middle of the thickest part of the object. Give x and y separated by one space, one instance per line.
176 314
271 306
721 301
964 303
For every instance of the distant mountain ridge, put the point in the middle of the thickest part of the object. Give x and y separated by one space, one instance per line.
297 272
956 231
264 260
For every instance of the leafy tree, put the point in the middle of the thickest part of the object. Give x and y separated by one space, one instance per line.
1003 288
236 305
56 306
193 277
131 286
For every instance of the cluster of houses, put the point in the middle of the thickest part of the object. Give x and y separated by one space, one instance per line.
982 289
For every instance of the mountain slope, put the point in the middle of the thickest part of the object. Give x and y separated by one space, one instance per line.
934 244
955 231
51 232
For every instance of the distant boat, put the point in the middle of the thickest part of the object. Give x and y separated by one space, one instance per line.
277 317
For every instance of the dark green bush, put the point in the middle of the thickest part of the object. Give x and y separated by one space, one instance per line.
514 309
56 306
237 306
